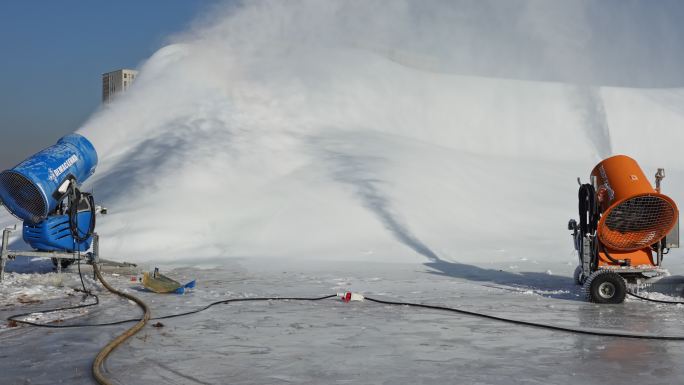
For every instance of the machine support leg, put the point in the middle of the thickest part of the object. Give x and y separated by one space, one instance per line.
96 252
660 254
3 253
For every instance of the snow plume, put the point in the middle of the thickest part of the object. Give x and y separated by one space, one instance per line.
357 130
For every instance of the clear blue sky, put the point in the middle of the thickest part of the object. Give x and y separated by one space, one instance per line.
52 55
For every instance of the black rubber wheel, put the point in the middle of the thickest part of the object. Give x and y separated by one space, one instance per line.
578 276
65 262
604 286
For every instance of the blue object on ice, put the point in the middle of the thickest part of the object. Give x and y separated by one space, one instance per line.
54 233
31 190
189 285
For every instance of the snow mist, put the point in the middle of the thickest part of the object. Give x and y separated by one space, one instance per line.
374 130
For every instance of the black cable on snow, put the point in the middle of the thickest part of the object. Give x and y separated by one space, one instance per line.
531 324
565 329
655 300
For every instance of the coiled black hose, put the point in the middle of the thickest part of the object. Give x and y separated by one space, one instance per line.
588 209
589 216
74 200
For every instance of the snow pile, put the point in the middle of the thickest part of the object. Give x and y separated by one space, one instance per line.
371 130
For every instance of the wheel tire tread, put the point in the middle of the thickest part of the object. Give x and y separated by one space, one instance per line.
577 275
604 275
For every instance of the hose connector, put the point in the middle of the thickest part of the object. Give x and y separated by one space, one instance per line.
349 296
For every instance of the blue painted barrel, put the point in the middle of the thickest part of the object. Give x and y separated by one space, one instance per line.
30 189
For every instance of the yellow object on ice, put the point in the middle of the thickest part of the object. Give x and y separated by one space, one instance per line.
160 283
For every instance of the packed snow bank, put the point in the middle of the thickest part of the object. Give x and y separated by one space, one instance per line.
356 131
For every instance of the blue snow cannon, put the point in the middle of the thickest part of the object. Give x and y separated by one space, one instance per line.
35 187
36 191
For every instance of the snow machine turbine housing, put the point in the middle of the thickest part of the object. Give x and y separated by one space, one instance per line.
634 215
43 191
625 227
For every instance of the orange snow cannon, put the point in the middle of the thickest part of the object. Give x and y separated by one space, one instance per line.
625 227
635 215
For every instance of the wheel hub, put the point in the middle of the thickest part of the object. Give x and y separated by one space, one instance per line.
606 290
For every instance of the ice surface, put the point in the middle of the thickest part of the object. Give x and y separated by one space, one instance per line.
331 342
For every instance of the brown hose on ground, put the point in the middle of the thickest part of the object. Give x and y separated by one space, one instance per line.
104 353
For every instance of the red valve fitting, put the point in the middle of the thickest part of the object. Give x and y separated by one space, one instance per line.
349 296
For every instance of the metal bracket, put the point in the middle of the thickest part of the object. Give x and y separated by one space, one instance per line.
659 176
672 239
594 182
5 253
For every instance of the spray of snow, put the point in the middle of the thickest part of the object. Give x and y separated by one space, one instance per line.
370 130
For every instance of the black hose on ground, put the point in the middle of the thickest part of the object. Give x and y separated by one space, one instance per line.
17 318
565 329
531 324
113 344
655 300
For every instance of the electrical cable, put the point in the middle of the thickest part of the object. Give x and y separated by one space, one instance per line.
410 304
588 211
655 300
16 317
530 324
621 262
589 218
114 323
87 293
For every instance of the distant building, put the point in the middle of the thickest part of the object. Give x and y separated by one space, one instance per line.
116 82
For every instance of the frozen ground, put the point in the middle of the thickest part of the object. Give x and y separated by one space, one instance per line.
330 342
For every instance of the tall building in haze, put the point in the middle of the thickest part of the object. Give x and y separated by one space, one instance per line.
116 82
